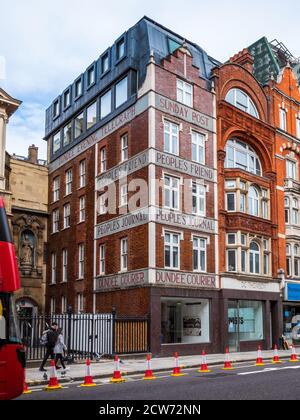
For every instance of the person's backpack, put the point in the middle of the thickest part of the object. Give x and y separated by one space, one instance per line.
44 338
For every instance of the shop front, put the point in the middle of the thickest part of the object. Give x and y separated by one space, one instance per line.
291 313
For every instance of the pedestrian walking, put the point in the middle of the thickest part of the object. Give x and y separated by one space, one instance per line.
49 339
59 349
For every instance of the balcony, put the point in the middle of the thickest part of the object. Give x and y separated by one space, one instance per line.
292 184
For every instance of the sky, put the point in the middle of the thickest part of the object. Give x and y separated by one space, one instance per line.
45 45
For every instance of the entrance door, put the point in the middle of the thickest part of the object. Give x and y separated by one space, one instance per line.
233 326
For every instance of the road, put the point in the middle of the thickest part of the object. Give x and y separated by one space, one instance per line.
280 382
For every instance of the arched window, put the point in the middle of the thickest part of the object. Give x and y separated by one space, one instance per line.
296 250
240 155
295 212
242 101
253 201
254 258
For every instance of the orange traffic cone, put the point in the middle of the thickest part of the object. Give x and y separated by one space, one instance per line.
259 360
53 382
88 379
294 357
26 390
177 370
227 364
149 374
204 367
117 376
276 357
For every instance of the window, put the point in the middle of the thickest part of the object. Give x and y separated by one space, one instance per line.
171 195
52 305
63 304
231 238
56 109
254 258
231 260
295 212
82 174
185 321
105 63
198 147
65 265
53 268
121 92
124 254
124 195
67 98
69 179
172 250
199 199
67 134
184 93
230 201
173 45
81 209
243 239
102 204
78 88
91 115
171 138
105 103
241 100
291 169
56 142
81 261
80 303
243 261
67 217
120 49
230 184
282 117
250 316
287 209
253 201
79 125
101 260
240 155
91 76
242 203
103 160
199 254
55 221
124 147
298 127
55 189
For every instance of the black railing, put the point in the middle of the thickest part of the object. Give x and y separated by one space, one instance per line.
87 335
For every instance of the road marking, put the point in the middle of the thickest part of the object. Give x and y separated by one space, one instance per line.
269 370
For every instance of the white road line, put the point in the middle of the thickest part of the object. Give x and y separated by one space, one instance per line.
269 370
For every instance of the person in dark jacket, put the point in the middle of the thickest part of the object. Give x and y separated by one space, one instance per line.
52 335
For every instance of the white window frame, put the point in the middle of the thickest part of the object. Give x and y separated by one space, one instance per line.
101 259
64 304
199 196
67 215
184 93
172 247
240 106
102 206
255 254
173 137
200 249
226 196
82 209
123 195
80 303
64 265
53 267
233 250
198 142
291 174
55 221
124 254
56 187
173 192
298 127
253 201
52 305
103 162
81 252
82 174
282 119
250 154
124 148
69 181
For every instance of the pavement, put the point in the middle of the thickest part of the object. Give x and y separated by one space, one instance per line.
105 368
245 382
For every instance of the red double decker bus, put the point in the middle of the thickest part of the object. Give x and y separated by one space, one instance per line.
12 353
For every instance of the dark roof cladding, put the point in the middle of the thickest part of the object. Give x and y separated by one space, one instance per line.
145 38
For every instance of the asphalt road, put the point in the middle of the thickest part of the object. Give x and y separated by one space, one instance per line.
272 382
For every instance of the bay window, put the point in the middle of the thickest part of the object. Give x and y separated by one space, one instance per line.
241 156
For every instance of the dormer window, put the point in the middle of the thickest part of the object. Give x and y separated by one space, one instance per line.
67 98
56 109
78 87
241 100
104 63
121 92
120 49
91 76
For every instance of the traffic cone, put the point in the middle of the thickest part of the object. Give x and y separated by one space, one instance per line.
294 357
117 376
26 390
259 360
276 357
53 382
149 374
176 370
227 364
203 367
88 379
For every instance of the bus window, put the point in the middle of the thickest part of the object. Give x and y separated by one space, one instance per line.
9 331
2 321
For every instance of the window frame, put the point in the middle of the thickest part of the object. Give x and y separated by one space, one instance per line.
185 94
174 192
199 249
124 255
172 245
249 103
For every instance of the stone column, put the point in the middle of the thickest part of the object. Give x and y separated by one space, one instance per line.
3 122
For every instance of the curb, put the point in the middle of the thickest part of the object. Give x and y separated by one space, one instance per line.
141 372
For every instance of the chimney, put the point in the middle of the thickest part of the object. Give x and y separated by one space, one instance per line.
33 154
244 59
